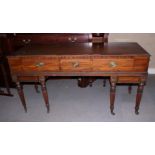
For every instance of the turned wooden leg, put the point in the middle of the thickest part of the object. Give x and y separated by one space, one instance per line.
21 95
36 88
139 97
129 89
104 82
45 95
112 96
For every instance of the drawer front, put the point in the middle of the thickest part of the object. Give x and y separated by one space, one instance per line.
129 79
113 64
40 64
33 64
75 64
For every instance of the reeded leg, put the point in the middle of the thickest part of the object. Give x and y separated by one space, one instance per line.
21 95
112 97
36 88
139 97
45 95
129 89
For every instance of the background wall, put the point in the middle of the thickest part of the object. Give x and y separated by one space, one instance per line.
146 40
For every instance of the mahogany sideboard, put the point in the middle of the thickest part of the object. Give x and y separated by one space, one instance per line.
122 62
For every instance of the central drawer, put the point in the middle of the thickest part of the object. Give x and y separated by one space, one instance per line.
75 64
113 64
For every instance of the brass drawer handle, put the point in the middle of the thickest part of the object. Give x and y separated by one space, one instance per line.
26 41
113 64
69 38
39 64
75 64
72 39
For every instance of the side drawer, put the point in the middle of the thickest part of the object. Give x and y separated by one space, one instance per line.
128 79
33 64
113 64
40 64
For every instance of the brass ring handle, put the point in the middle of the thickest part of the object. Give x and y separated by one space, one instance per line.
113 64
39 64
75 64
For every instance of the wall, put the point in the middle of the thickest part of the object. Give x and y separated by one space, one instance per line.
146 40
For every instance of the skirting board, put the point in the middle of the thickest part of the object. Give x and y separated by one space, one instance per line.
151 70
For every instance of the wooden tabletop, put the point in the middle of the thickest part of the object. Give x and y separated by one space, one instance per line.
82 49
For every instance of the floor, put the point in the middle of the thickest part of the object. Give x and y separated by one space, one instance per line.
69 103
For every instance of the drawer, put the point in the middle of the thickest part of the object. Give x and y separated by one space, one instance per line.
50 38
41 64
113 64
128 79
33 64
75 64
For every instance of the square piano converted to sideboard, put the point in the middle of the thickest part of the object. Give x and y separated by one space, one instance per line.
122 62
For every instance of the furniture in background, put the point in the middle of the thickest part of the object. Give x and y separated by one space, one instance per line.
12 42
4 78
122 62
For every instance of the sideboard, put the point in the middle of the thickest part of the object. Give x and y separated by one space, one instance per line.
122 62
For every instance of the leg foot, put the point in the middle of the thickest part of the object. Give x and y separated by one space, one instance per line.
112 96
139 97
112 110
48 109
136 111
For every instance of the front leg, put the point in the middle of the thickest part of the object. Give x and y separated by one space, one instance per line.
139 97
112 94
45 94
21 95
